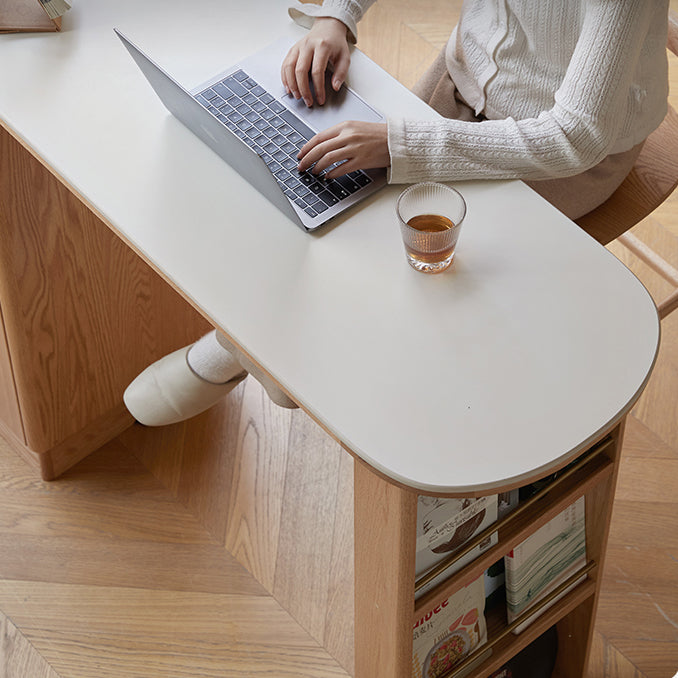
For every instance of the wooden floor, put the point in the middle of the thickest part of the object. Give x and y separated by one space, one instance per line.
132 564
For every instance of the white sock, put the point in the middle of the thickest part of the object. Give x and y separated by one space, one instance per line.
211 361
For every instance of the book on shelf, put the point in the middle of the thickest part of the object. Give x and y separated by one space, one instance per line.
444 525
55 8
27 16
544 560
448 630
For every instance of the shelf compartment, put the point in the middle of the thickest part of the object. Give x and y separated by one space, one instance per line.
526 508
505 644
516 527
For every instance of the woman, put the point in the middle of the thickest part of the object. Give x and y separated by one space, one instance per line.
559 93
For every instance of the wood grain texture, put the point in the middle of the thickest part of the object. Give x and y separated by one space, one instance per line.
10 415
404 38
574 632
131 539
657 408
638 609
53 462
86 631
609 662
18 658
257 492
70 451
277 492
385 544
79 325
307 523
106 574
340 614
19 446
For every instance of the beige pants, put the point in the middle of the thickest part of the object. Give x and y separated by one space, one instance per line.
574 196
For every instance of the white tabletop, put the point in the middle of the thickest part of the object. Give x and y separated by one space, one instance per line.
535 341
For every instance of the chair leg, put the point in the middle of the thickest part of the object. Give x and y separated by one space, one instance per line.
669 304
657 264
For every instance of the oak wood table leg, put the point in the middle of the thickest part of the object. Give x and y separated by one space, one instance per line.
385 540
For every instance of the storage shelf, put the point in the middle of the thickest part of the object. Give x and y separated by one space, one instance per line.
511 644
593 476
514 530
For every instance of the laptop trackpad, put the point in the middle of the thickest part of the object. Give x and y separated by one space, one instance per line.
338 107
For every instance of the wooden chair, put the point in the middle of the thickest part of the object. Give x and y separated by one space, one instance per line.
651 181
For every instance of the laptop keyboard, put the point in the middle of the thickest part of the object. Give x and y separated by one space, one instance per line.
276 134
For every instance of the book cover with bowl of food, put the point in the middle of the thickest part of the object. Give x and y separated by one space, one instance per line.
444 525
448 630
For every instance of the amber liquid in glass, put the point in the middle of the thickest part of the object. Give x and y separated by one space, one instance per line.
423 248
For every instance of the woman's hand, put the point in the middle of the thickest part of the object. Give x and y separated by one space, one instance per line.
362 145
325 43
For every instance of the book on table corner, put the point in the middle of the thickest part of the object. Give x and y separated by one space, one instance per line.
29 16
544 560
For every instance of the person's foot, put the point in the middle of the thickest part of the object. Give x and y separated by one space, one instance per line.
170 390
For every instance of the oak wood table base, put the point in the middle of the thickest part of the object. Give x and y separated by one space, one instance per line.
80 316
52 463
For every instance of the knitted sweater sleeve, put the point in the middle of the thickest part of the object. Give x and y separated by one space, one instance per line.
575 134
347 11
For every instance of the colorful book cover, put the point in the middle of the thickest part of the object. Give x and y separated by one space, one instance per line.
448 630
544 560
446 524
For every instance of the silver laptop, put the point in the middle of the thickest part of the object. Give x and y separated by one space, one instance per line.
245 116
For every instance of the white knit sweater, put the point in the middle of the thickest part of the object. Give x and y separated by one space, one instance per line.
564 83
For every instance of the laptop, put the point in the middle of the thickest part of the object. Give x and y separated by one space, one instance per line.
245 116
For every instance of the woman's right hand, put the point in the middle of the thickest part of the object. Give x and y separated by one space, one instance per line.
326 43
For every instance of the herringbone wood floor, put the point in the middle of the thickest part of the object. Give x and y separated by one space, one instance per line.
128 567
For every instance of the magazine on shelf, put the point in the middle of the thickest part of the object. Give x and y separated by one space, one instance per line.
448 630
444 525
544 560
